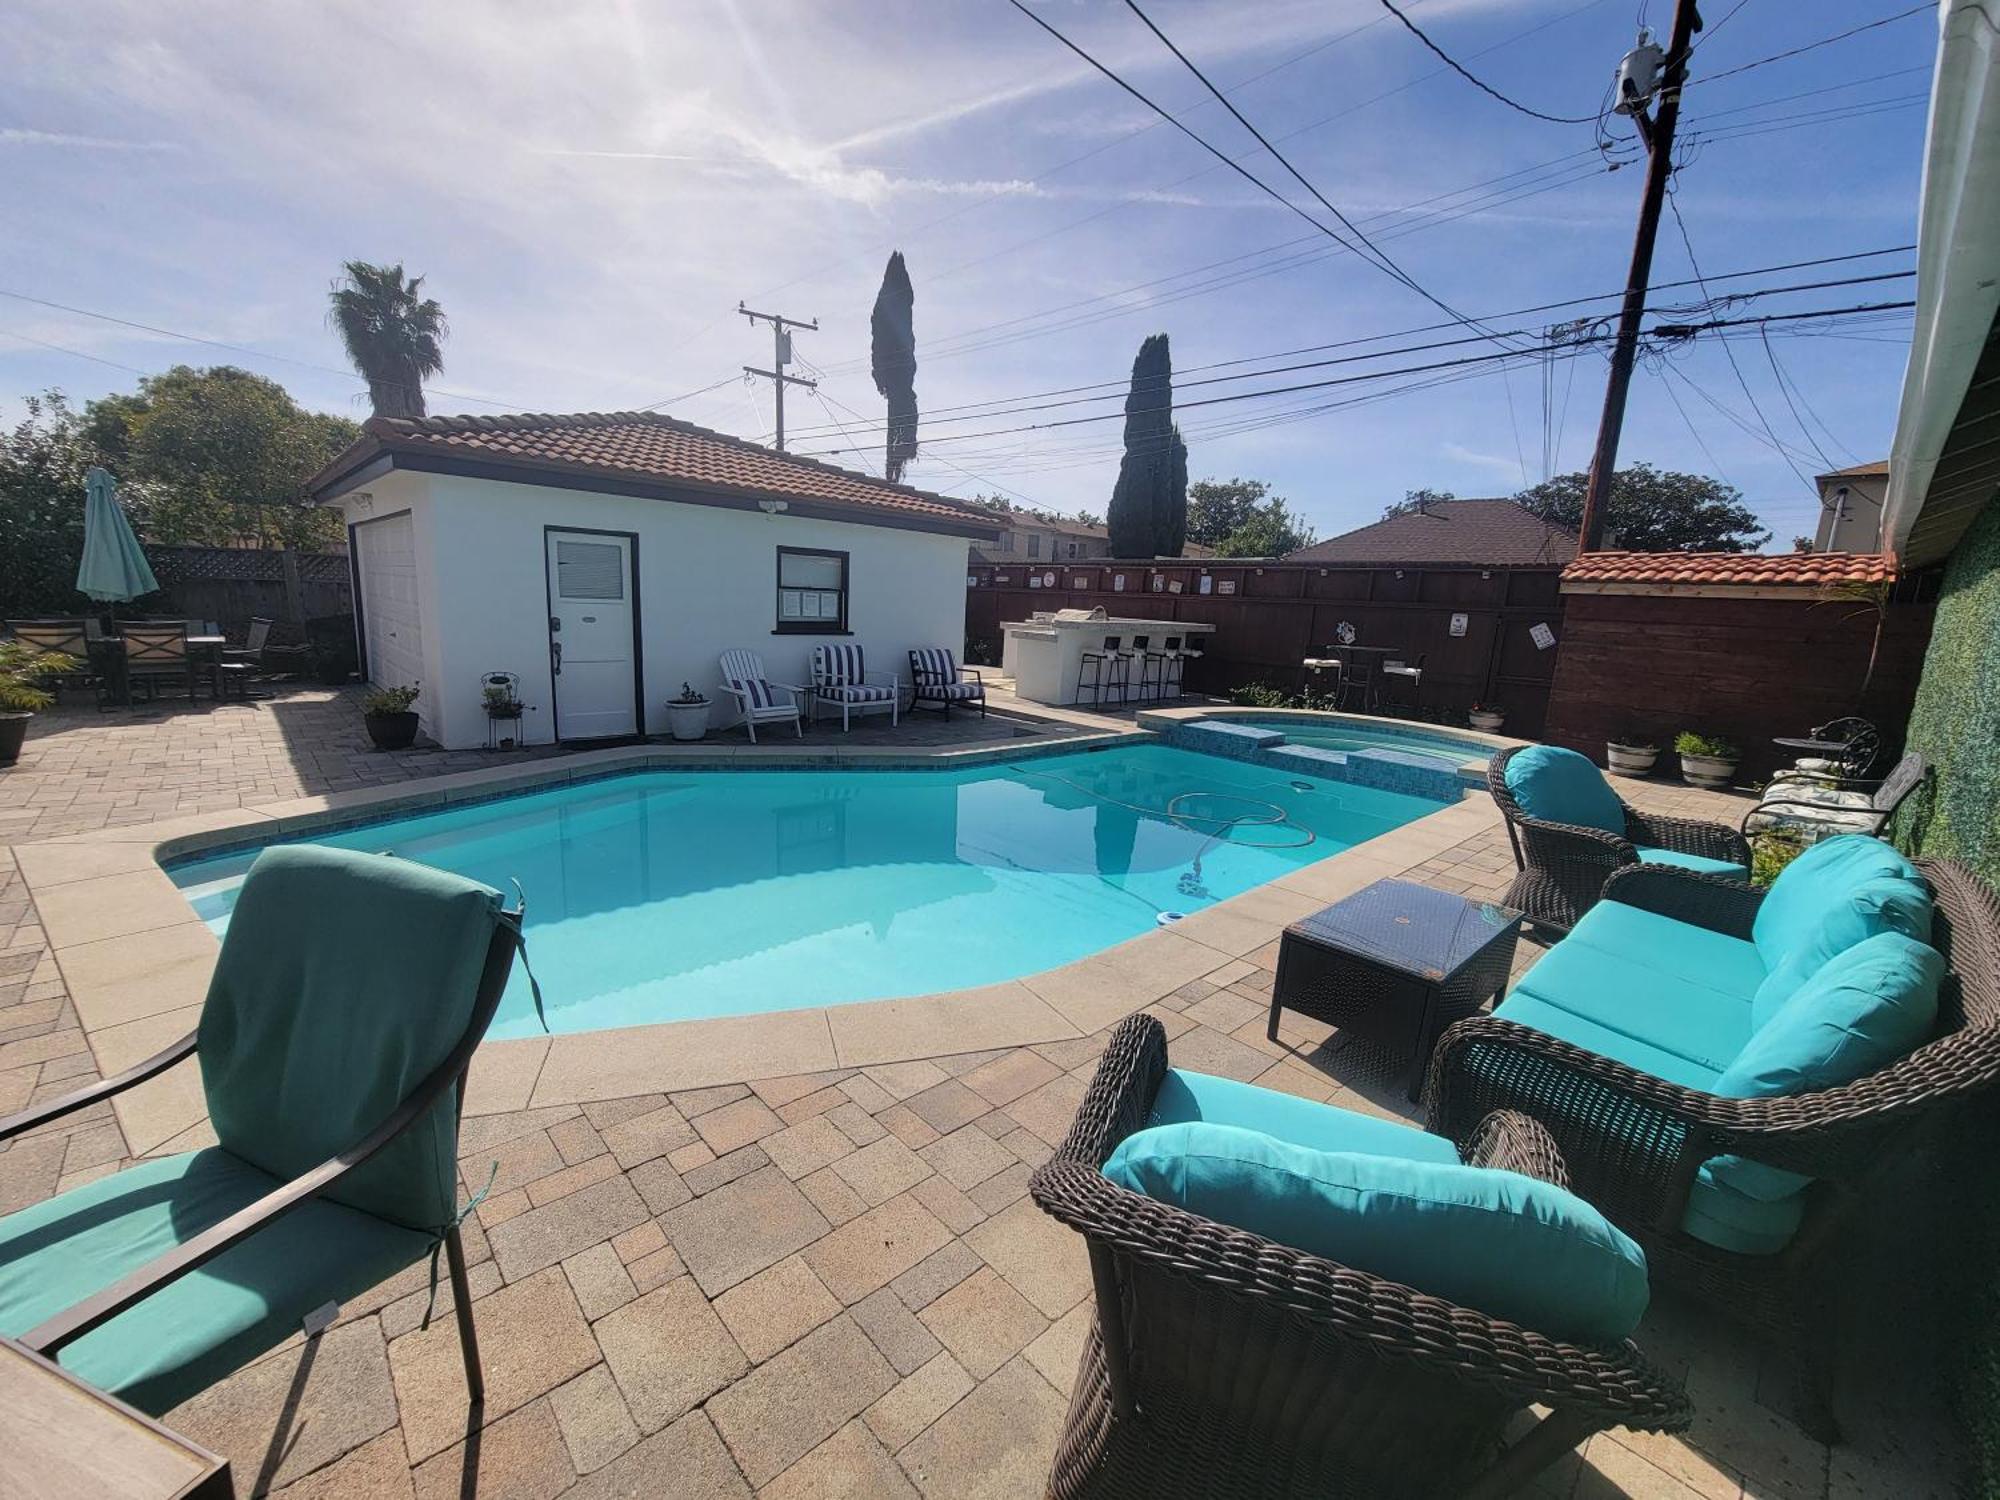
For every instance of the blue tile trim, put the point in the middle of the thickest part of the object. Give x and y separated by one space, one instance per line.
1384 770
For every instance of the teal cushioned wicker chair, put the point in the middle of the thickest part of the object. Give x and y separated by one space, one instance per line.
332 1070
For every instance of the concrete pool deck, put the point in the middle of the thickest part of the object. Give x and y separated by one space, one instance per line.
135 959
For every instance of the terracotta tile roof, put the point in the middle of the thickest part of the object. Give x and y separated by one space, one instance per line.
657 450
1746 569
1461 533
1877 470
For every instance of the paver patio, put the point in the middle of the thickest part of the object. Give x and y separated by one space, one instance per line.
812 1285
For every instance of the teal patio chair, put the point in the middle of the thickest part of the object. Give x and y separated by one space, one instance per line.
332 1068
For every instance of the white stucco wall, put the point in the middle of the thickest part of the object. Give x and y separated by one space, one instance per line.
707 582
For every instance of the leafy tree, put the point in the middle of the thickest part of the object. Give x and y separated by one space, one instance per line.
1010 506
1655 510
1148 511
218 456
42 466
393 333
1218 508
1415 500
1272 530
892 354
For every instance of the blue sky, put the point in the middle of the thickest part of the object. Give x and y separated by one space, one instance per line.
591 188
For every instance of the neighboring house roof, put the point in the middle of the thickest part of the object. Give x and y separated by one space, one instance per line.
641 453
1877 470
1460 533
1731 569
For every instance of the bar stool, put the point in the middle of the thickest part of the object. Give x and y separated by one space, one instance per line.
1109 668
1404 686
1163 668
1359 686
1142 653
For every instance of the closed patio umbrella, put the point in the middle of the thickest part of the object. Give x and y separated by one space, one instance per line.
114 566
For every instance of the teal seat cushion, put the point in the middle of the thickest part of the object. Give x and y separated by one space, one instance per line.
1187 1098
1719 1215
345 979
1700 864
1838 892
1700 954
1506 1244
1629 994
1552 1020
1560 786
193 1332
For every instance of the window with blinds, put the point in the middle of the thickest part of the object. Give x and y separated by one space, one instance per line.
812 591
590 570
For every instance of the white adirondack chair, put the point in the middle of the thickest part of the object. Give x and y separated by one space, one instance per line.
761 700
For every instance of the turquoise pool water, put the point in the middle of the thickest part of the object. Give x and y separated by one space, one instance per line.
670 895
1442 748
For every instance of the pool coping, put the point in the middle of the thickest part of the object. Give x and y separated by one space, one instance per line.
1471 773
136 959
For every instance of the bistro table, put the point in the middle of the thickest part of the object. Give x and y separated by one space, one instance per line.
1394 964
61 1438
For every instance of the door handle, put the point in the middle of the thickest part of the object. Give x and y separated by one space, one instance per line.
555 657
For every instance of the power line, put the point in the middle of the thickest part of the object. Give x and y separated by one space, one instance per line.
1485 88
1384 264
1901 15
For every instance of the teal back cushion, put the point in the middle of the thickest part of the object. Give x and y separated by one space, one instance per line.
1559 786
1508 1245
1866 910
1862 1010
1827 870
344 980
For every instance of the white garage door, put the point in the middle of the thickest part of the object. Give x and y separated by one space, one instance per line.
386 553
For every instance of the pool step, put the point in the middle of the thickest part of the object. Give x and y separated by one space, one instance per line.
1384 769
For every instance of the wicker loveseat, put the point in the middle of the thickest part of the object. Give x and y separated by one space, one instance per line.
1221 1363
1741 1198
1570 831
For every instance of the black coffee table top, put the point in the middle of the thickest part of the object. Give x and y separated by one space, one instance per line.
1426 933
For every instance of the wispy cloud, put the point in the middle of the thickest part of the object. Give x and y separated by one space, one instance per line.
18 136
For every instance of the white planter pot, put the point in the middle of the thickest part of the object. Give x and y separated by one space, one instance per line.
1487 723
1710 771
1630 760
687 721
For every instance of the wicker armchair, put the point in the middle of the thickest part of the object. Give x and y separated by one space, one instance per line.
1564 866
1223 1364
1633 1143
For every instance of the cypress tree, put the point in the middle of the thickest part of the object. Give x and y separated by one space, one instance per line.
893 355
1148 511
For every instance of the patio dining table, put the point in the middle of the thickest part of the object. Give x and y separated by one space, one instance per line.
108 658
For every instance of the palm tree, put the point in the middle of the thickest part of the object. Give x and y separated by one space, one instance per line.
392 333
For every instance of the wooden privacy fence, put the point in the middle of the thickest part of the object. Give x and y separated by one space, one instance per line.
236 584
1476 628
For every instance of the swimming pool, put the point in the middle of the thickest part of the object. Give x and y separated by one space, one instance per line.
669 895
1443 748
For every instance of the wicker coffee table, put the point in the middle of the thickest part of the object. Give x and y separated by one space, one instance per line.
1394 964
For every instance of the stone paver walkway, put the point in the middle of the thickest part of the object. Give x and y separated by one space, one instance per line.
822 1285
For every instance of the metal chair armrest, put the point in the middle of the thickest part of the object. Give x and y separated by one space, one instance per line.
54 1109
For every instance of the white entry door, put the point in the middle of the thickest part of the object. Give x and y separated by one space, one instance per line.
386 559
591 617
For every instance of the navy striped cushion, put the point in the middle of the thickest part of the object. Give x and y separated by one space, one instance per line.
934 665
757 693
856 692
835 665
955 690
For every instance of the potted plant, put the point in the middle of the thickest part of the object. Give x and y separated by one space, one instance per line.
1486 717
687 714
386 712
1707 760
22 669
1630 754
502 707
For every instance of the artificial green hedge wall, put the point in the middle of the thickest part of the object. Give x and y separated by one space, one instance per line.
1956 721
1956 726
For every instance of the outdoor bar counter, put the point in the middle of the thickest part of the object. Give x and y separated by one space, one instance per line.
1044 656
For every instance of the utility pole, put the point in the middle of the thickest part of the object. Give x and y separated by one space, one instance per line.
781 355
1657 131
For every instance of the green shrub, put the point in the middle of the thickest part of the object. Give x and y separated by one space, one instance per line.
1259 695
1691 742
390 700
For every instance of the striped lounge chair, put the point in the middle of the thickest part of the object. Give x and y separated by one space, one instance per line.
840 675
941 680
761 700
